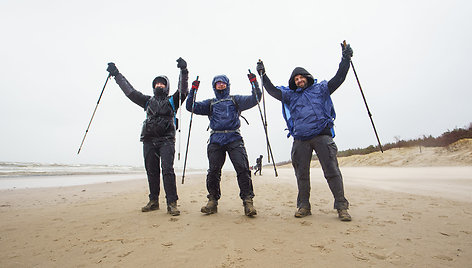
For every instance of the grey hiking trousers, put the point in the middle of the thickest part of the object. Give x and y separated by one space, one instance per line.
326 151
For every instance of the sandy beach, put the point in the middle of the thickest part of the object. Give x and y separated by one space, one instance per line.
401 218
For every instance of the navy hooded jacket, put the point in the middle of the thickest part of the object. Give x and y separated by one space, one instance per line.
223 111
311 108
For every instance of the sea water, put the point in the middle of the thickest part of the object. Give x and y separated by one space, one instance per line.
14 175
19 175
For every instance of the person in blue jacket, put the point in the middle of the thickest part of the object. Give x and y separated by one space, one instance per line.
309 113
158 132
223 112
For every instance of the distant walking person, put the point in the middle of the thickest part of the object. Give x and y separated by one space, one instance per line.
309 113
223 112
258 165
158 132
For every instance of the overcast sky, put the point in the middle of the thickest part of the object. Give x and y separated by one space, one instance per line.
410 56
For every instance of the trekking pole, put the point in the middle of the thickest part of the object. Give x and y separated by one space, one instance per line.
179 118
190 126
265 116
365 102
264 125
86 131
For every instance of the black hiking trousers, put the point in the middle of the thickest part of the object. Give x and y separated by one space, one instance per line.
326 151
238 156
157 154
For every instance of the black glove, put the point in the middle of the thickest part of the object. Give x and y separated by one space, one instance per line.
195 85
260 68
252 79
112 69
347 50
181 63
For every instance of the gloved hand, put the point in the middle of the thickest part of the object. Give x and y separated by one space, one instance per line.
181 63
195 85
260 68
112 69
347 50
252 79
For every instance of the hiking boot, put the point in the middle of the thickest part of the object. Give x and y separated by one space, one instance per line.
302 212
172 209
249 209
344 215
211 207
151 205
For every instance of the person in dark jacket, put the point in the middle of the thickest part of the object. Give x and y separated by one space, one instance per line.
311 124
158 132
258 165
223 112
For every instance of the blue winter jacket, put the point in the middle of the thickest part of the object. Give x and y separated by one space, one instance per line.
223 111
311 109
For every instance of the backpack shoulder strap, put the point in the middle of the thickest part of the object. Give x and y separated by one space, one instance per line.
176 122
288 119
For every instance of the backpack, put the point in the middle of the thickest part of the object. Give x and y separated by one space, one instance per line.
289 121
231 98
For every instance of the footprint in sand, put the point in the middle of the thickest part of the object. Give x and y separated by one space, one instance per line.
278 241
325 211
443 257
259 249
377 256
348 245
321 248
125 254
167 244
92 250
407 217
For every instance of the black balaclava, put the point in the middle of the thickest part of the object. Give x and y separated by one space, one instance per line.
161 92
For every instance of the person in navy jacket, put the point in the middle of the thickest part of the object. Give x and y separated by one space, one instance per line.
224 112
309 113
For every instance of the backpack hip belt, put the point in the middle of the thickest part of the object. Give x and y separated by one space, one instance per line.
225 131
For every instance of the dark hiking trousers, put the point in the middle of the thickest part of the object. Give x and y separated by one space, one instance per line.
326 151
157 154
238 156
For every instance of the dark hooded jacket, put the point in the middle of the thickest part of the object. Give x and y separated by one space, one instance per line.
311 108
160 108
223 111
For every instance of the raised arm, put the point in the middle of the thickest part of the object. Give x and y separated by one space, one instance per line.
202 108
273 91
340 75
249 101
134 95
183 83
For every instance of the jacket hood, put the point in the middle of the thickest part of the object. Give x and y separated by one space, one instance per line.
221 94
305 73
165 91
